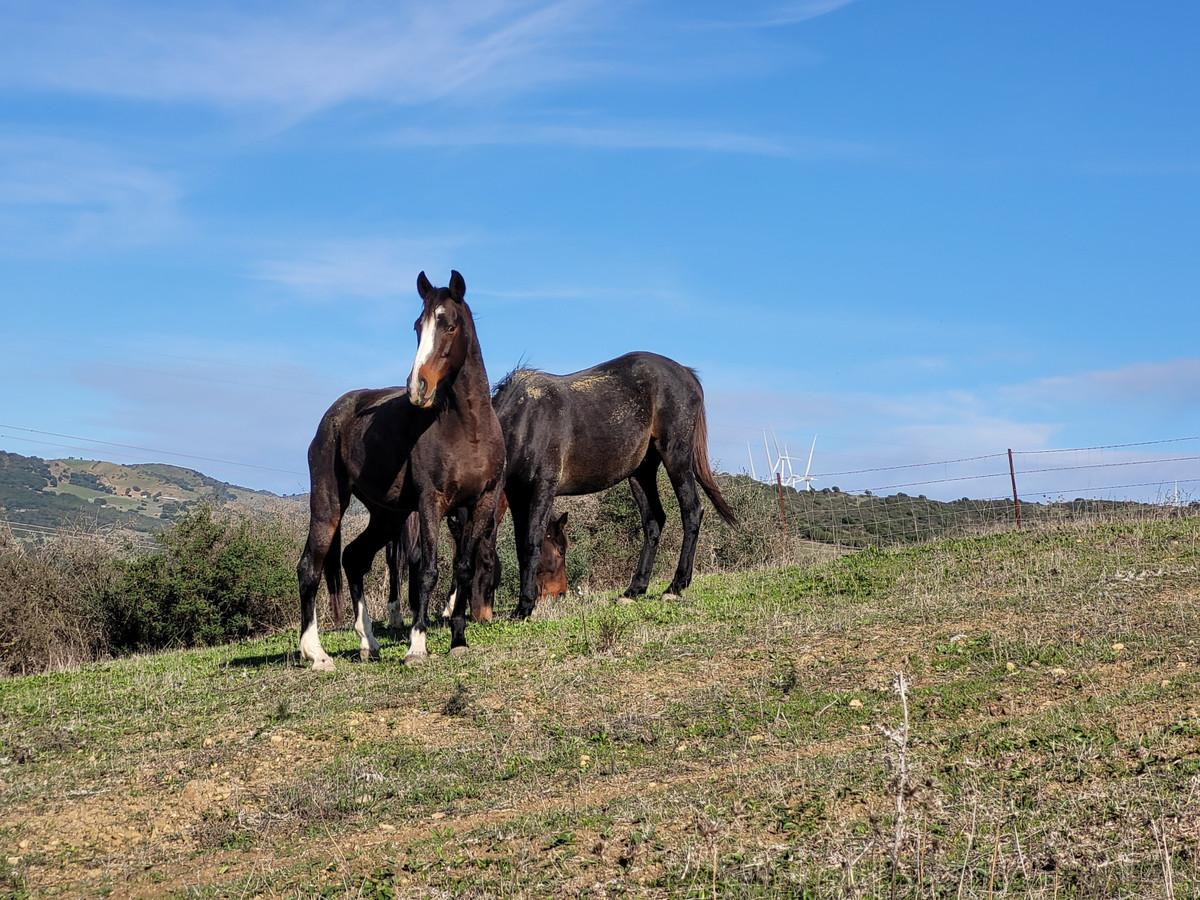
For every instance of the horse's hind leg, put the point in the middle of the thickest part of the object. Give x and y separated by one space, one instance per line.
425 582
643 484
396 564
478 526
357 559
679 468
324 543
456 522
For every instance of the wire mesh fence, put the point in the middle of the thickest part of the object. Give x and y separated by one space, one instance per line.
914 502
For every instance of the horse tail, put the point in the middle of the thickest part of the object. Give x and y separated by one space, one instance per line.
702 469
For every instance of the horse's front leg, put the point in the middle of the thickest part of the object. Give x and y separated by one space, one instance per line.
430 517
479 527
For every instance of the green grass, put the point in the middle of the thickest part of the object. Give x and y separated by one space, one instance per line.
728 743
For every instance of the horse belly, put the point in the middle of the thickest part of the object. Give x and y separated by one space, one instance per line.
600 462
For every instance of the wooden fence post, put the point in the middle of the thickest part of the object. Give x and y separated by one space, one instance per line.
1012 473
779 493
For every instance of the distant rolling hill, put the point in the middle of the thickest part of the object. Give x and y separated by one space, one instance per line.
143 497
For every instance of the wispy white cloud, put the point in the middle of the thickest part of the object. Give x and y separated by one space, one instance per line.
863 429
782 15
357 269
303 59
583 294
1167 384
58 194
632 136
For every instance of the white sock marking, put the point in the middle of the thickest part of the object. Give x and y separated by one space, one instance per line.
366 633
416 643
311 649
448 609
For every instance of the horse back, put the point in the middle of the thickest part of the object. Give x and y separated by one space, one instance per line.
591 429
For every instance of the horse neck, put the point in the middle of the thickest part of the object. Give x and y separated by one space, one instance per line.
471 392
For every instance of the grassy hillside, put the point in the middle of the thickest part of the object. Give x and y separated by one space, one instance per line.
729 743
56 492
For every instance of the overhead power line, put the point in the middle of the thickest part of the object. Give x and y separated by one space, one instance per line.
1178 440
182 455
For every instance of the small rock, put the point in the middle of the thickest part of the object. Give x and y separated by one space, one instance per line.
1118 647
855 703
208 742
1058 672
438 815
13 860
277 739
1011 667
584 760
1166 682
388 827
24 845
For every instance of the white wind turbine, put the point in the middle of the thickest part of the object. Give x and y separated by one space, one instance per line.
807 477
782 466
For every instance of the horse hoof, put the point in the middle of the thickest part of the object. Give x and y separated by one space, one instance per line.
416 659
625 601
460 650
324 664
670 595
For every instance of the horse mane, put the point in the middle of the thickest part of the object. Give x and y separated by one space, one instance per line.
514 375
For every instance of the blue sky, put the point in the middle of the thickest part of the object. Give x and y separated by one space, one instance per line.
922 230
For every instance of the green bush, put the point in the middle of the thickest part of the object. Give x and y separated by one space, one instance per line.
84 596
213 580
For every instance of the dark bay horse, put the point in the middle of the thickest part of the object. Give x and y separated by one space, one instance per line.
430 449
583 433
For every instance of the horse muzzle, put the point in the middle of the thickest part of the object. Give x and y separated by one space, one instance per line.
419 394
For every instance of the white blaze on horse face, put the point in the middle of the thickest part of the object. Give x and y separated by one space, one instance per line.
424 349
416 643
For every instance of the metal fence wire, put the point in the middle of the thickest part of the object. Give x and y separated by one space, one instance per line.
913 502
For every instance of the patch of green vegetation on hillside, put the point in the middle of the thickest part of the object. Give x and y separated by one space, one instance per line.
142 497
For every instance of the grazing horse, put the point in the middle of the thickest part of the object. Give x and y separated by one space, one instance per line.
430 449
583 433
403 556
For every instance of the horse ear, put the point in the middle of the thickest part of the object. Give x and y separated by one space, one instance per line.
562 523
424 288
458 287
